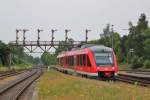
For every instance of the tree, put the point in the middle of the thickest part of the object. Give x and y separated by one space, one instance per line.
147 48
107 31
37 61
48 59
5 52
142 24
61 47
137 35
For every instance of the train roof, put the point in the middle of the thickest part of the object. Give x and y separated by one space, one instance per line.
100 48
83 49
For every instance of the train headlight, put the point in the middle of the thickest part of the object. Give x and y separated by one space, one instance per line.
116 74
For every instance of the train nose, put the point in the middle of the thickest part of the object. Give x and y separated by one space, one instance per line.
106 68
107 74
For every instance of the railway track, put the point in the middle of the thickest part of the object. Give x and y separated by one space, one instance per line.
137 79
15 89
145 72
10 73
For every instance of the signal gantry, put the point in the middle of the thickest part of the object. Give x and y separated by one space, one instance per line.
45 46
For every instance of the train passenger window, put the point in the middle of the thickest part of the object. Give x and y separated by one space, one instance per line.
81 60
88 62
75 60
72 61
62 61
78 61
84 60
69 61
65 60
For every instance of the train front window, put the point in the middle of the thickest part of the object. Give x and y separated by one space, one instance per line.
103 59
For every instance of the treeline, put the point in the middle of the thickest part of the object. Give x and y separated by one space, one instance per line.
12 56
132 49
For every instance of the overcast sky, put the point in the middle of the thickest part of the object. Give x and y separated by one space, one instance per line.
76 15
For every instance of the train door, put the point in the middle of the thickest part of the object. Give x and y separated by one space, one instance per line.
88 63
84 61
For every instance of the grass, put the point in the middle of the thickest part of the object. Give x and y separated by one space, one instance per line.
57 86
124 66
21 66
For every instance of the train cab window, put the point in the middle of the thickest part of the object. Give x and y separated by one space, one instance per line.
104 58
88 62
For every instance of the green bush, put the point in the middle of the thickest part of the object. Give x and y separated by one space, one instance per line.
136 62
147 64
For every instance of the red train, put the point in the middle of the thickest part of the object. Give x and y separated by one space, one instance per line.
89 60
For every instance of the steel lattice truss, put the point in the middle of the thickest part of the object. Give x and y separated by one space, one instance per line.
45 46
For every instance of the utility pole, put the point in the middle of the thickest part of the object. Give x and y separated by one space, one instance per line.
112 33
24 38
86 35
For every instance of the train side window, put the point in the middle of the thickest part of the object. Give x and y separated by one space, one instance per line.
81 60
65 60
78 60
62 61
88 62
84 60
75 60
71 61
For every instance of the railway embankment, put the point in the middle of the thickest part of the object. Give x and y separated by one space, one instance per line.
54 85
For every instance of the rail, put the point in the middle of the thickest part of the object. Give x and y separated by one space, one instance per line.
14 90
